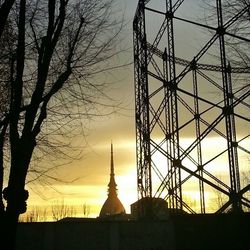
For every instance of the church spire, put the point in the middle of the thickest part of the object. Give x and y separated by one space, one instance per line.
112 161
112 205
112 190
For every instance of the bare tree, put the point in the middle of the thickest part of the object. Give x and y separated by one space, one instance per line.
218 200
86 210
37 214
5 7
60 210
237 37
56 211
6 44
239 33
60 51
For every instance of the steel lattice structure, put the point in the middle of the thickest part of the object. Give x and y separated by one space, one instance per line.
176 97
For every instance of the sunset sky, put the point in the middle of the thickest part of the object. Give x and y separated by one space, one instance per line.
91 172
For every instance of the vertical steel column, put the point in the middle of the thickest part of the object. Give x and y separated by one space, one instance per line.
198 135
172 86
142 104
229 115
170 183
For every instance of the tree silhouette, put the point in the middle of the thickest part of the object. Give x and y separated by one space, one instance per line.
60 210
4 12
59 51
238 41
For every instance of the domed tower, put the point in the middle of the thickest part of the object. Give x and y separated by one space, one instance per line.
112 206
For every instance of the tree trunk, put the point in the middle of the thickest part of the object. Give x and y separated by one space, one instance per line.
9 228
2 139
4 12
15 194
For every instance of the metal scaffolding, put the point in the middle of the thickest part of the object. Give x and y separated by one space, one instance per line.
177 98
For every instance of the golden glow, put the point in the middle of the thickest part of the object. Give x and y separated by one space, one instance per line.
93 169
91 189
127 188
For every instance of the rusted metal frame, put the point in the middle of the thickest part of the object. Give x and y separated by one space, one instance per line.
228 113
138 111
241 98
171 84
210 43
168 136
170 10
170 172
185 205
155 66
198 133
156 114
240 147
202 136
234 143
155 119
193 173
142 116
242 200
200 66
196 58
164 184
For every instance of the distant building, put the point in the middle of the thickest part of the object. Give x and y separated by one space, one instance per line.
112 206
154 208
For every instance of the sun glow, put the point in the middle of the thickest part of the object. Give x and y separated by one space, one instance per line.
127 188
91 190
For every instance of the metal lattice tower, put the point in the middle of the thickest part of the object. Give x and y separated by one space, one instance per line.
193 98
